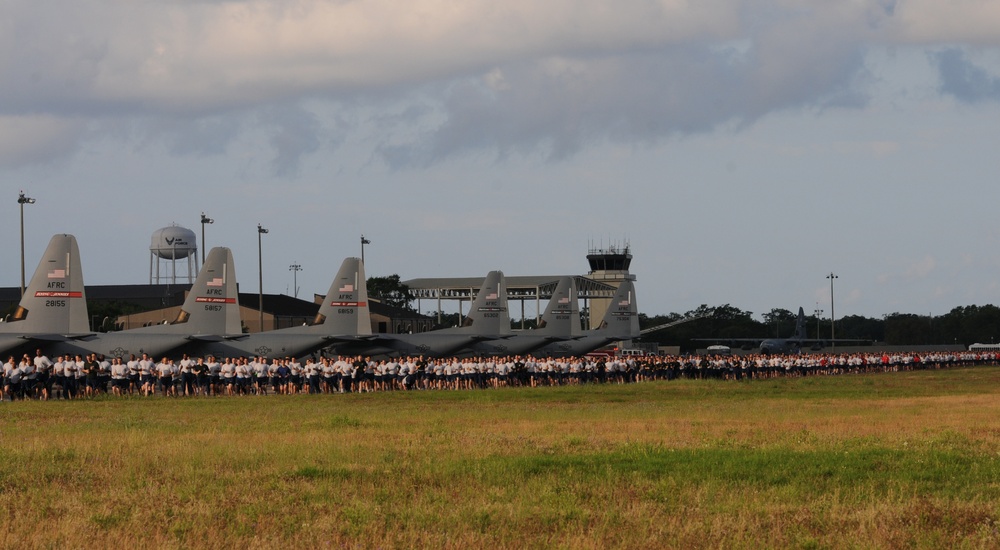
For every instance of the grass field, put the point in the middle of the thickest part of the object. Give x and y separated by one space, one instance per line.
875 461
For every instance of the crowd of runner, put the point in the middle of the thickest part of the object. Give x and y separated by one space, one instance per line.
75 377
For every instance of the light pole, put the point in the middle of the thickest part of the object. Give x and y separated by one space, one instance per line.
295 268
818 313
364 241
833 317
23 200
260 274
204 220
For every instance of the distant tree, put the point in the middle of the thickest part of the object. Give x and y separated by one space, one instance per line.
527 323
855 327
779 319
99 311
448 320
390 291
907 329
968 325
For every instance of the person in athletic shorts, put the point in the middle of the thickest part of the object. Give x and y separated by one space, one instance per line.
91 371
133 374
59 377
147 375
11 379
228 373
214 375
43 370
27 377
165 373
119 377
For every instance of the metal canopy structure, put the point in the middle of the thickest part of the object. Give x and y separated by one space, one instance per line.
522 288
538 287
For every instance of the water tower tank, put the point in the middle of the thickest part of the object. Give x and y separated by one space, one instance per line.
173 243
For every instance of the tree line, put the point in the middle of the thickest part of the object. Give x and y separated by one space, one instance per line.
962 325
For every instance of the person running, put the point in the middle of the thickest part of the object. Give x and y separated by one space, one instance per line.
11 379
165 373
119 377
147 375
43 371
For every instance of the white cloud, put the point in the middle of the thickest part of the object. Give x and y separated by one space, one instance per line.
920 268
33 138
955 21
523 76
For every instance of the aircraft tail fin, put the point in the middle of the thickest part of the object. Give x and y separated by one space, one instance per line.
800 326
621 320
345 309
54 300
562 314
488 314
212 305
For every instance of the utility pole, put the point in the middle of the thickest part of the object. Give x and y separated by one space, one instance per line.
833 317
295 268
260 274
204 220
364 241
23 200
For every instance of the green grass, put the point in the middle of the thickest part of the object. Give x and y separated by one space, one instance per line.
895 460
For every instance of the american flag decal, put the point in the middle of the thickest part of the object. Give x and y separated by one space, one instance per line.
347 288
57 274
215 282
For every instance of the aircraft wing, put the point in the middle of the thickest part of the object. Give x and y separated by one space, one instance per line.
825 341
347 338
208 338
44 337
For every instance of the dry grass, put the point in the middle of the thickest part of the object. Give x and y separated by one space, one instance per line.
886 461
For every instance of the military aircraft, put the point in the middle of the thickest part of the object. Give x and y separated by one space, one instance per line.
559 322
620 322
210 313
488 319
53 306
343 317
792 344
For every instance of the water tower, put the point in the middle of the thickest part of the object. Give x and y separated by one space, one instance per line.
173 244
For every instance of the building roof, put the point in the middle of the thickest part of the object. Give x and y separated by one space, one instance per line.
518 287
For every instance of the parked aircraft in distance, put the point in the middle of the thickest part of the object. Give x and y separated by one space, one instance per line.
488 319
343 317
53 307
620 322
210 313
559 322
793 344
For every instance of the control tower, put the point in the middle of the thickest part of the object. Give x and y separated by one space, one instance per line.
608 265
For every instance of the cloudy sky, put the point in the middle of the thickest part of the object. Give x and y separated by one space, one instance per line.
744 149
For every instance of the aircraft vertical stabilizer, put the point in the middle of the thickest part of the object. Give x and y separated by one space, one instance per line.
213 302
621 320
212 306
345 309
562 314
488 314
54 302
800 326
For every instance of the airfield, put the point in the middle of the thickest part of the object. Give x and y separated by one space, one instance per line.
906 459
